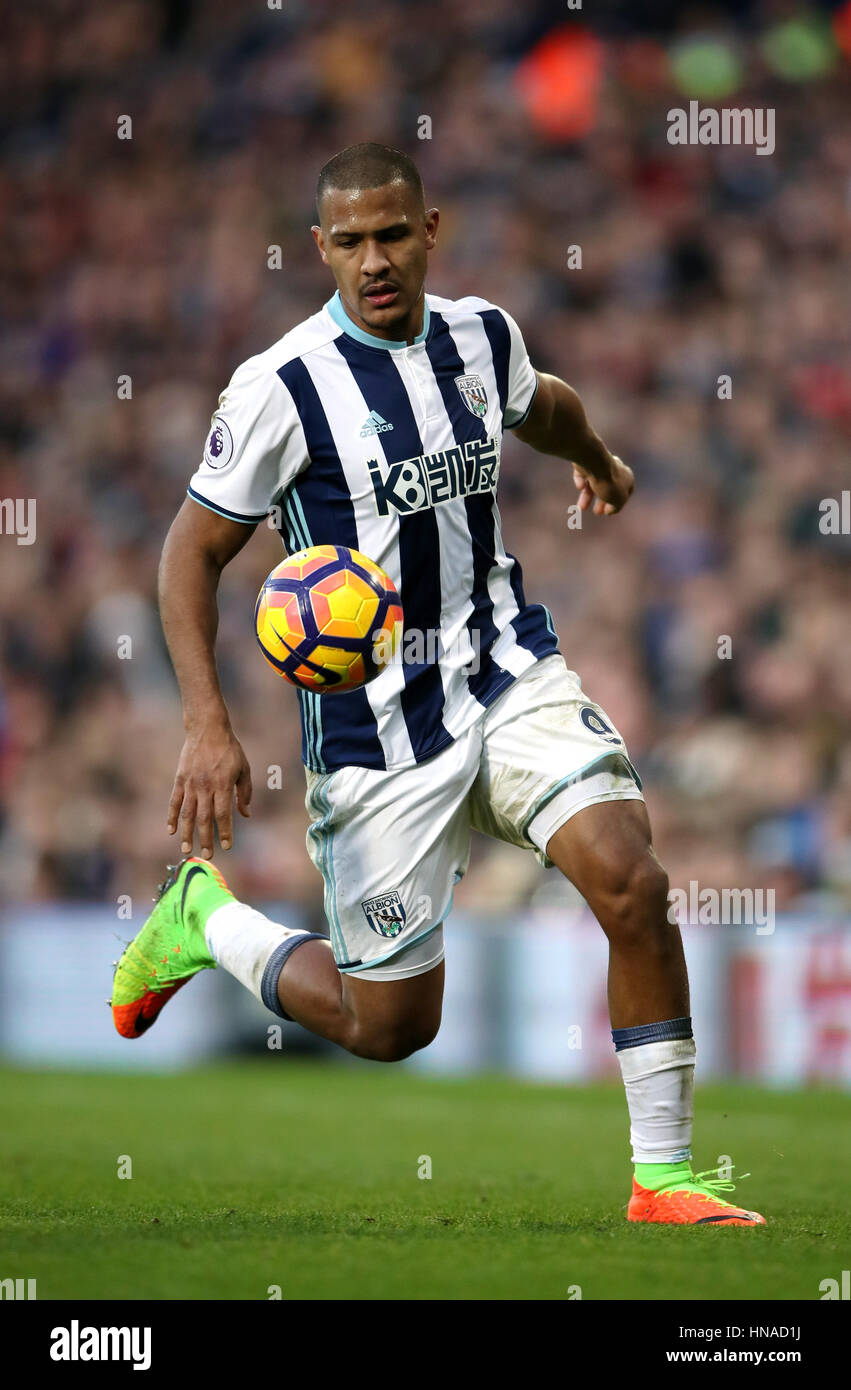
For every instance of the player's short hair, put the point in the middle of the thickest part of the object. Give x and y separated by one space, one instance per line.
368 166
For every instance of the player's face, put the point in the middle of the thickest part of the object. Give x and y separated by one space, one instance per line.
376 241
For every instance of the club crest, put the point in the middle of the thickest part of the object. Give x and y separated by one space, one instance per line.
473 394
385 914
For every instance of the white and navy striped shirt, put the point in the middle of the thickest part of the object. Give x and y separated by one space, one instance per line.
392 449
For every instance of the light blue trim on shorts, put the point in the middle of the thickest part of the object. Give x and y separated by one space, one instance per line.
329 860
323 837
569 781
380 960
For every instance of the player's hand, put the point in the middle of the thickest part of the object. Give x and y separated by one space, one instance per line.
212 768
608 495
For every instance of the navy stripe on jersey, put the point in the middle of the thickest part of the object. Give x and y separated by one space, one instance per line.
422 699
344 728
499 339
490 679
537 637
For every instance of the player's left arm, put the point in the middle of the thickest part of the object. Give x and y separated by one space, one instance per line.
557 424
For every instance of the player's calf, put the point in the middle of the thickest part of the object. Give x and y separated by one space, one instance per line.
606 851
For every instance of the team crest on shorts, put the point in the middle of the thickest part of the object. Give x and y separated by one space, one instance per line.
385 914
473 394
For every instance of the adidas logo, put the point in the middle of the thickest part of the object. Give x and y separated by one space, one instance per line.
374 424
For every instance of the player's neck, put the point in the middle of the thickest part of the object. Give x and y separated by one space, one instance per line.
406 330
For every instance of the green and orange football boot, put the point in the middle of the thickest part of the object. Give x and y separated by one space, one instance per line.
170 948
678 1196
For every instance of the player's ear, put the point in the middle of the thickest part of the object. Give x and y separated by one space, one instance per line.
320 242
432 220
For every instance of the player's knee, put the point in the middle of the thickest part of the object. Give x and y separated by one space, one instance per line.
634 900
394 1042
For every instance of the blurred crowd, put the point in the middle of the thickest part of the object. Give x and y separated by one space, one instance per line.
147 258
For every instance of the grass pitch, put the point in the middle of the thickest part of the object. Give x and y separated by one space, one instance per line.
305 1175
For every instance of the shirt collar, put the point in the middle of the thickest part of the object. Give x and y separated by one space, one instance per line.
336 310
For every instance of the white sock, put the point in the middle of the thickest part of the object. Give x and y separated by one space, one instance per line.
241 939
659 1082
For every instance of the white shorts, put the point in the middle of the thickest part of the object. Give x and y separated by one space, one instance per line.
392 845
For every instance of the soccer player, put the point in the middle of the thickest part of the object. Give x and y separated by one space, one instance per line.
377 424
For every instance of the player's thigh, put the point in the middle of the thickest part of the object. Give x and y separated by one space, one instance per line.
549 752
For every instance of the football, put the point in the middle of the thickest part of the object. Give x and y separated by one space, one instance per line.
328 619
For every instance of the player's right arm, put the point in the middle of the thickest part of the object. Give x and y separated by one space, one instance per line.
212 765
255 448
